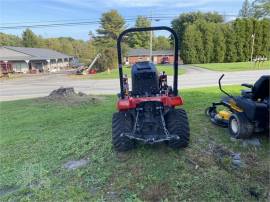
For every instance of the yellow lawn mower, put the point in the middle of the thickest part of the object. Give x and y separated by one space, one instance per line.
245 114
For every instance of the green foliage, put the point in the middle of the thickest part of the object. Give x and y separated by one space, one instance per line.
263 35
257 9
203 40
161 43
83 49
112 24
10 40
261 8
180 24
189 51
219 44
207 30
29 39
230 41
140 39
107 60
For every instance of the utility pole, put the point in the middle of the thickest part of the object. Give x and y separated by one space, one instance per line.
151 37
252 46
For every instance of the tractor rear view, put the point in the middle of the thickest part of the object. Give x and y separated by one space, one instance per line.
148 112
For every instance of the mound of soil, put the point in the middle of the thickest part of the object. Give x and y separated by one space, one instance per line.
68 96
64 92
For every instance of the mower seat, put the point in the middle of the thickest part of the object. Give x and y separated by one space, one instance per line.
259 91
254 111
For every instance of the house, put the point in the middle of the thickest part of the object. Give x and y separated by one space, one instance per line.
158 57
23 60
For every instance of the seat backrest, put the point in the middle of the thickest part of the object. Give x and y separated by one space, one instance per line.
260 89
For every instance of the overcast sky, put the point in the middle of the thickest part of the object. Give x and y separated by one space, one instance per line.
42 11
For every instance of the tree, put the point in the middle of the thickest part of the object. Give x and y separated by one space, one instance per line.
245 11
207 30
249 31
29 39
112 24
192 45
264 34
140 39
9 40
107 60
219 45
260 8
239 29
161 43
180 24
230 40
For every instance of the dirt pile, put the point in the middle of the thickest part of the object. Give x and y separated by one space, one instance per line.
63 92
68 96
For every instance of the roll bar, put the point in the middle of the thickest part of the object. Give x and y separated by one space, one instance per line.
143 29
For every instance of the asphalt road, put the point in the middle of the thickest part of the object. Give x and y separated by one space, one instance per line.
41 85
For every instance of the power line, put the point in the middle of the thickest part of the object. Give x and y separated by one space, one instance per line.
72 20
80 22
69 23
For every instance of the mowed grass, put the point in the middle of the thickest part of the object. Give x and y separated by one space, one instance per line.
38 137
114 74
235 66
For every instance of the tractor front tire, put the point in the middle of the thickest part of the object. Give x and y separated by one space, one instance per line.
122 123
177 124
240 126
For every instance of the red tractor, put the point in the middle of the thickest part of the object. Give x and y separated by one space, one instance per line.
149 113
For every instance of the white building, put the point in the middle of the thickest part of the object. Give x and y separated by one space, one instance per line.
23 60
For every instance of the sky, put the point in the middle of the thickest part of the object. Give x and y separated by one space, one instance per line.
29 12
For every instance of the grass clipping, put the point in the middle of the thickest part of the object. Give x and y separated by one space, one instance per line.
68 96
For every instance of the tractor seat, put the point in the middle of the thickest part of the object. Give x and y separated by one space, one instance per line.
259 91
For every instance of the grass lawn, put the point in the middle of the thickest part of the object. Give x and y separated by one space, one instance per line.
114 73
235 66
39 136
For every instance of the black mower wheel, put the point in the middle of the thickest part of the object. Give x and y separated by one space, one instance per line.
121 123
240 126
177 124
209 111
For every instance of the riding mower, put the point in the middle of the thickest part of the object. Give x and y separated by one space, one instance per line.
148 112
245 114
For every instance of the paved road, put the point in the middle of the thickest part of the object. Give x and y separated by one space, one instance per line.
41 85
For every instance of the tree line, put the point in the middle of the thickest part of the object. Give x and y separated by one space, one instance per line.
104 42
203 37
80 48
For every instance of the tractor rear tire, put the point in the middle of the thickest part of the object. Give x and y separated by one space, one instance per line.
121 123
240 126
177 124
